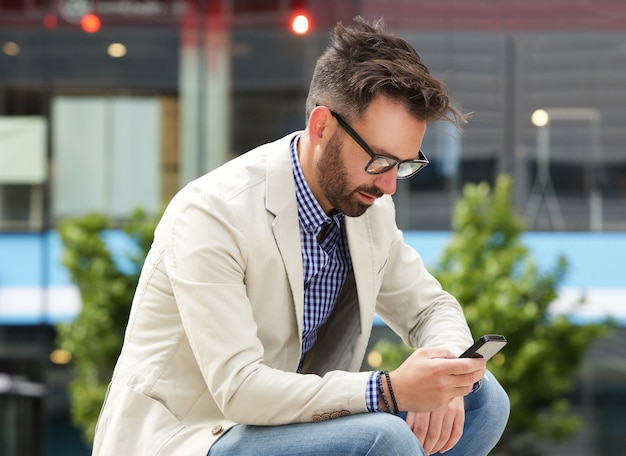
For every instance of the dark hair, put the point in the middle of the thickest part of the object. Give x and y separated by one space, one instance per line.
363 61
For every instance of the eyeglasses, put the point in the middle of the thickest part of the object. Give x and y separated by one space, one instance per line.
380 163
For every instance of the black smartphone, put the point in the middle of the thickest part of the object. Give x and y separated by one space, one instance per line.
485 347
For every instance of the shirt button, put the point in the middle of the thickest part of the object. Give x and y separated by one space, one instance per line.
217 429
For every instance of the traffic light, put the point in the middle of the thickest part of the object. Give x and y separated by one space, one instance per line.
300 24
300 20
90 23
50 21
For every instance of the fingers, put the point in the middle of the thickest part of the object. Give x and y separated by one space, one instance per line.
436 431
458 380
465 383
441 429
456 431
455 436
419 424
461 366
465 380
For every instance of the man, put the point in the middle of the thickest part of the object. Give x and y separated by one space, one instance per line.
255 304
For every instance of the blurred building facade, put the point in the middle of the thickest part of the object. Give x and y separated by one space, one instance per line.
106 105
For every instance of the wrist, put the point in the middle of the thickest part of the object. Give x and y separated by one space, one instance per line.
386 395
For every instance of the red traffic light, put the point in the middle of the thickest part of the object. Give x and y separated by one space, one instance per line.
300 24
90 23
50 21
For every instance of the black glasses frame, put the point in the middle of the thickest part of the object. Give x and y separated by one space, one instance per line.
421 160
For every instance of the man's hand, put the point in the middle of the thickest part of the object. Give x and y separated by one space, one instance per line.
430 385
441 429
431 377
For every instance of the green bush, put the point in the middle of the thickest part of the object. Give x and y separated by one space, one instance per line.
106 284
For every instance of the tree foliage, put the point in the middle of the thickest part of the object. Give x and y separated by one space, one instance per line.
106 281
490 271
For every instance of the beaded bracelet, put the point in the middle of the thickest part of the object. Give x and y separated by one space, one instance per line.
381 391
393 396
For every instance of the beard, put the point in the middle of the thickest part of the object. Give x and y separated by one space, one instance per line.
335 183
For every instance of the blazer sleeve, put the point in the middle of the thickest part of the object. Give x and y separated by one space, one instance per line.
411 300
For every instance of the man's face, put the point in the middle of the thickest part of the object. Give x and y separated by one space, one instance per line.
335 181
389 130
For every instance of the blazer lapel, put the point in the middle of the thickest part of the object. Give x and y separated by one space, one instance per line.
281 201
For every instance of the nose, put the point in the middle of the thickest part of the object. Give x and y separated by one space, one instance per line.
386 182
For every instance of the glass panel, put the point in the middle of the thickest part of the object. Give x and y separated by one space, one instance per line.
107 155
79 148
135 152
23 149
15 204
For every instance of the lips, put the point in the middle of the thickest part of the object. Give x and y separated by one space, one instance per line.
368 199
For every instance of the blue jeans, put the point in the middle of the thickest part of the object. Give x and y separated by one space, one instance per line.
373 434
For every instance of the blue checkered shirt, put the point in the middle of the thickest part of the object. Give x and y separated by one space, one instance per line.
325 264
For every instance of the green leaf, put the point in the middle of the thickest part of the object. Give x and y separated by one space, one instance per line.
95 336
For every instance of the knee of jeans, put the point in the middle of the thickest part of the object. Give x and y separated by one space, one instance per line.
498 400
393 434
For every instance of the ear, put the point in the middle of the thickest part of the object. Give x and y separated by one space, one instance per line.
320 125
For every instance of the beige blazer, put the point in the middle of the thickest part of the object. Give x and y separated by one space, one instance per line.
214 333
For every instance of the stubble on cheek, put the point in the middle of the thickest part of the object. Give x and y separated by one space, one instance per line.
335 183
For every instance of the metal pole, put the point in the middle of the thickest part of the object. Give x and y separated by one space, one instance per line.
543 187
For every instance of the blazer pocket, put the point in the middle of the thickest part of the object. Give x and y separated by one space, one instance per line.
153 423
